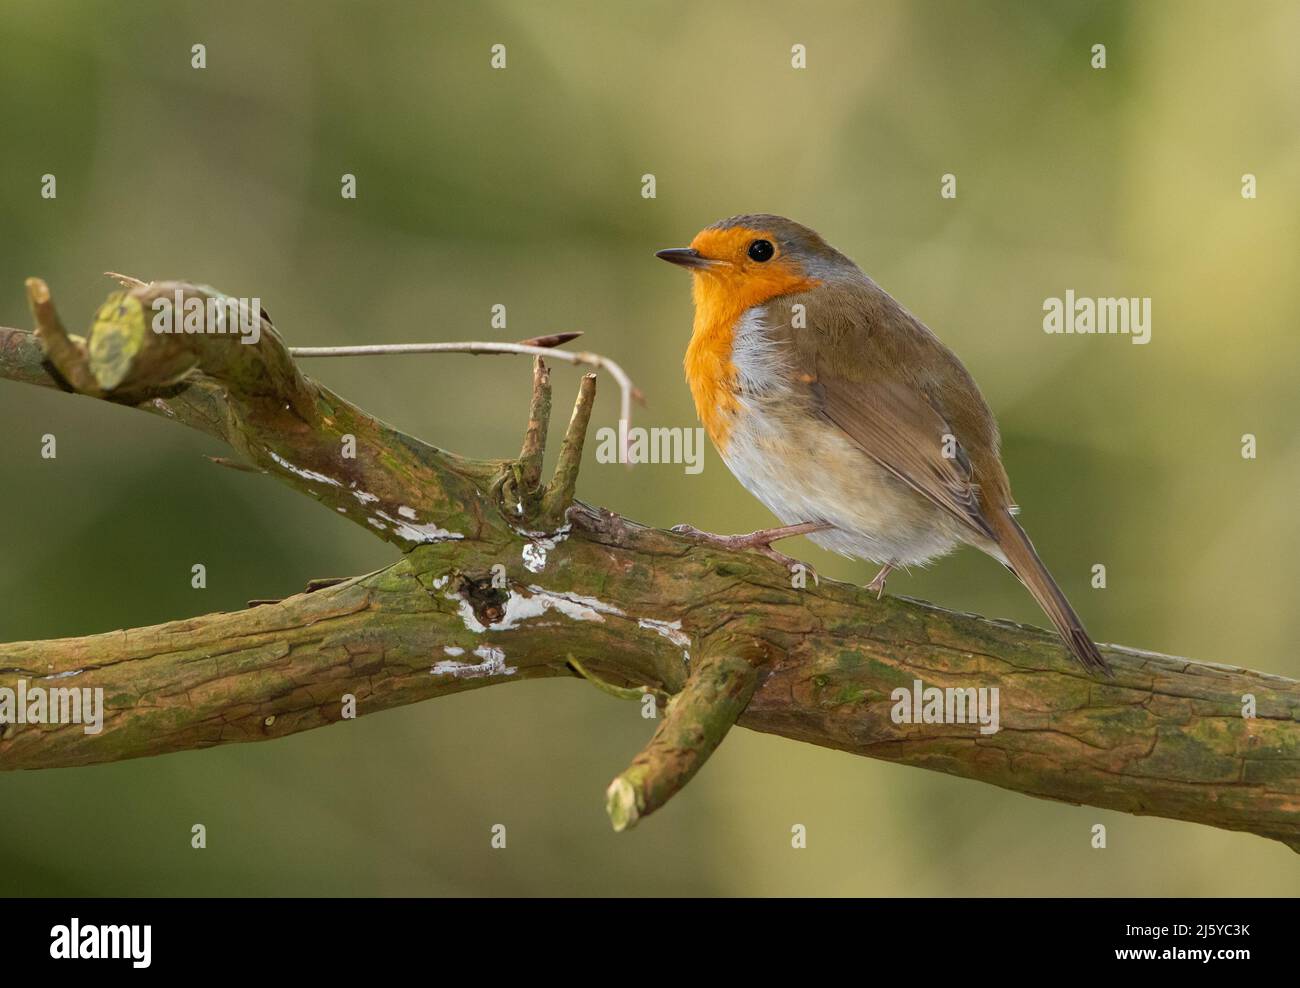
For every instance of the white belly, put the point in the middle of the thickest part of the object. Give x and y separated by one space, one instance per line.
803 474
804 469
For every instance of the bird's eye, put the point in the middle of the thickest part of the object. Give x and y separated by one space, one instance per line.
761 250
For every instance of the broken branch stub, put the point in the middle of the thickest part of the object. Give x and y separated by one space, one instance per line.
693 725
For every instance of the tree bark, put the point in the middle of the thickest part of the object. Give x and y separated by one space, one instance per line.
505 577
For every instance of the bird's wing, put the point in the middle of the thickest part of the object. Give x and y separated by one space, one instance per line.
879 375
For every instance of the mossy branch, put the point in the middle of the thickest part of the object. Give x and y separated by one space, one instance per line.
711 700
635 607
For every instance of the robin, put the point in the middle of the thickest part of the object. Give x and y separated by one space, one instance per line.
845 415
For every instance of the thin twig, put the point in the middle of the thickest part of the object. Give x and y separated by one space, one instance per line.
620 692
627 389
551 339
125 280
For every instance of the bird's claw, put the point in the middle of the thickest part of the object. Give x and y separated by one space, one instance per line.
760 541
878 581
789 562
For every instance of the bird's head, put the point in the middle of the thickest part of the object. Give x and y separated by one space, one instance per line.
748 260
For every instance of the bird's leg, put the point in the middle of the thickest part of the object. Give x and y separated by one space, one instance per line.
761 540
878 582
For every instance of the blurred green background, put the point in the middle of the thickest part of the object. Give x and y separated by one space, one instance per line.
522 187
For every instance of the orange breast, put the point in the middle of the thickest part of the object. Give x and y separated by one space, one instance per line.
720 304
711 373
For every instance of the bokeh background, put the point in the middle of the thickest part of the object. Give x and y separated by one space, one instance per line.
522 187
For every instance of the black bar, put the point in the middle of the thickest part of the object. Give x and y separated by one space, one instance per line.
931 940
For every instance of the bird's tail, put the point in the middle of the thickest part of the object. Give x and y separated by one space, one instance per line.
1023 561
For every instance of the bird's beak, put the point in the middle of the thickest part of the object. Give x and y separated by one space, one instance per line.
687 257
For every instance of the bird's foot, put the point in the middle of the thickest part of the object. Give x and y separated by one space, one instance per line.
878 581
761 540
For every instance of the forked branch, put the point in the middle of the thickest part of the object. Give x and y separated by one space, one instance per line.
588 593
